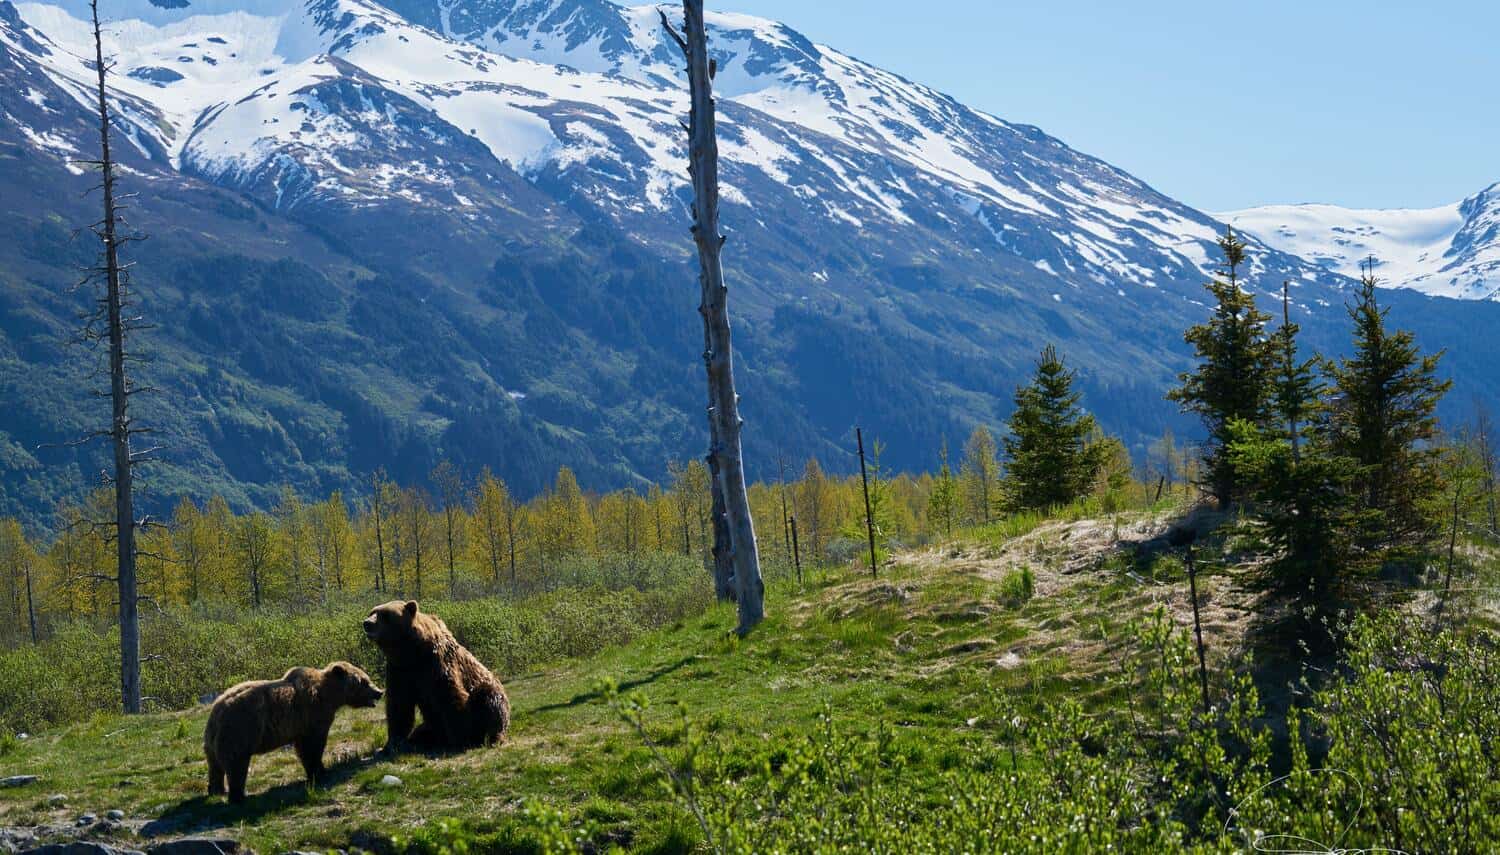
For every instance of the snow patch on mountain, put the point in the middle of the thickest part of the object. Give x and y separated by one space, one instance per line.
1449 251
182 66
352 100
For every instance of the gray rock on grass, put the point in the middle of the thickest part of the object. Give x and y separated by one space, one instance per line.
81 847
198 846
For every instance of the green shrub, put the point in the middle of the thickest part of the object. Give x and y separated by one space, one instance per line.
1017 588
1409 735
191 654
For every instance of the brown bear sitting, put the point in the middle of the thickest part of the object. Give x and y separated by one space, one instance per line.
263 715
463 705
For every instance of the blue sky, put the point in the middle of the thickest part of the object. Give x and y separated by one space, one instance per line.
1381 103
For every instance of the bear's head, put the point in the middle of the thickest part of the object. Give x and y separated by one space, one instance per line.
391 626
351 685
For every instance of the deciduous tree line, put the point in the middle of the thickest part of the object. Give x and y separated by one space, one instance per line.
452 538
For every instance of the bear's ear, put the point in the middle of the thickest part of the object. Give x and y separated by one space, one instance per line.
337 669
410 609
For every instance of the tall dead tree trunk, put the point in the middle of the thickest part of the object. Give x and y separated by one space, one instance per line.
377 507
864 479
30 606
1487 460
510 538
721 554
786 526
450 486
724 410
121 429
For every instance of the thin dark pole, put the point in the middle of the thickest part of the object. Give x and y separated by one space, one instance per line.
1452 549
30 606
859 437
1192 569
796 552
786 527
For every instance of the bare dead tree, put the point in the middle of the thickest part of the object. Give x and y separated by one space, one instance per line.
30 605
108 323
786 526
1484 437
415 507
864 478
796 552
725 452
451 491
378 512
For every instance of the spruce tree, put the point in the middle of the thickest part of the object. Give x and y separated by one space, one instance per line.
1296 387
1050 461
1231 382
1299 482
1302 501
1384 419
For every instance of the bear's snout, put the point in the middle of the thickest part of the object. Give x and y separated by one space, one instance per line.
372 696
370 628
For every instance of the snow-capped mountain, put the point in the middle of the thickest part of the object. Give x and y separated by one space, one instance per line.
388 233
333 99
1450 251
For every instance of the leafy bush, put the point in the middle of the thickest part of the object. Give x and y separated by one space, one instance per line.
844 550
1412 740
1410 765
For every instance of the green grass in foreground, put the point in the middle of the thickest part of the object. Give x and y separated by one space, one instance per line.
905 703
890 650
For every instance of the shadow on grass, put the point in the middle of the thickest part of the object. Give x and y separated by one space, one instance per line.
205 813
1196 524
625 686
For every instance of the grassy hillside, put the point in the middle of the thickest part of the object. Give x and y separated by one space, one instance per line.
1029 687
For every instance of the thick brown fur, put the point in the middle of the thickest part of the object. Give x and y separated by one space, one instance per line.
263 715
463 705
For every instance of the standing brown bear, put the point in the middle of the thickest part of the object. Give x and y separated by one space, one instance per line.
263 715
463 705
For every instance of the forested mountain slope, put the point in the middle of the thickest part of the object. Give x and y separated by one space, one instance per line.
385 235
